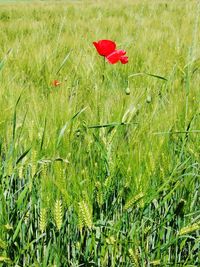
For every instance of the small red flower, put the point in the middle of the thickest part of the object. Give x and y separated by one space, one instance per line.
107 48
56 83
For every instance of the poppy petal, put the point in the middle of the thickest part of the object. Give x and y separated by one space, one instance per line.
124 60
115 56
105 47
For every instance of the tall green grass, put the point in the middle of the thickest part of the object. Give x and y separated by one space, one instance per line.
99 171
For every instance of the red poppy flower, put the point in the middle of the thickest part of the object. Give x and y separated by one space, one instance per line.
107 48
56 83
104 47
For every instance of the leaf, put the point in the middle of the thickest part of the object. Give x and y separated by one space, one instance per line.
113 124
17 229
34 241
156 76
15 116
78 113
3 209
23 155
148 74
177 132
62 131
21 197
22 125
43 134
46 255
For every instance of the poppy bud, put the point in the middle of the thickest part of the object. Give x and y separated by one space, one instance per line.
148 100
127 91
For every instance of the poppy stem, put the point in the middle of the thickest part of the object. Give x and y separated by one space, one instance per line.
104 66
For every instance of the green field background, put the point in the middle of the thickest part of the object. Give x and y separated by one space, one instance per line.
102 170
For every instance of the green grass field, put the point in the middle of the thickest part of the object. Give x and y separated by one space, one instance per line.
104 169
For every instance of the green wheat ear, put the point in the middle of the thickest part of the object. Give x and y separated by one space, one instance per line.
45 170
43 219
134 257
85 215
189 229
58 214
80 222
133 200
156 262
147 229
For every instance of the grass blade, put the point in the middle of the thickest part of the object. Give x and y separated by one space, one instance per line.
23 156
156 76
63 62
148 74
113 124
43 134
15 116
